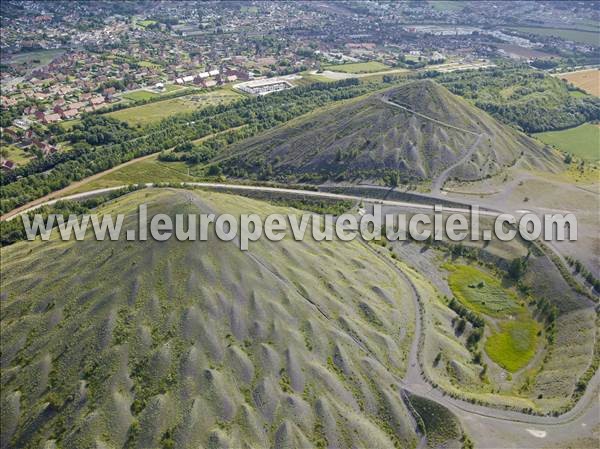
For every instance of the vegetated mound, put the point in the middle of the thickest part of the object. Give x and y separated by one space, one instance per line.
408 133
197 344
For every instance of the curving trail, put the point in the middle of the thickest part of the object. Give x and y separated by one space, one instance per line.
489 426
495 427
426 117
438 183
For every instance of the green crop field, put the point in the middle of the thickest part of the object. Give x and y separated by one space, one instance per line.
480 291
515 344
154 112
585 37
582 141
358 67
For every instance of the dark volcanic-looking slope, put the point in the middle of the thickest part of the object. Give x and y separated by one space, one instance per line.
424 132
198 344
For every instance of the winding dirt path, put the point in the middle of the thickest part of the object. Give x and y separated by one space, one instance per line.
512 429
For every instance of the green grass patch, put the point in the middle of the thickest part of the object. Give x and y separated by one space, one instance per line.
582 141
146 23
35 58
154 112
172 87
140 95
441 426
148 64
480 291
16 154
146 171
447 6
358 67
514 346
67 125
585 37
577 94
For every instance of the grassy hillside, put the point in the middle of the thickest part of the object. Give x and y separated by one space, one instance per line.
371 139
198 344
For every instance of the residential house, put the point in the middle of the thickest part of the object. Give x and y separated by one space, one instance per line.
96 101
50 118
7 165
69 114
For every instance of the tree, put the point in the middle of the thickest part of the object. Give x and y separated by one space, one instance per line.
517 268
214 170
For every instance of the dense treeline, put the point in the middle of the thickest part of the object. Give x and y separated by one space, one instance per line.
528 99
257 114
100 130
579 268
464 312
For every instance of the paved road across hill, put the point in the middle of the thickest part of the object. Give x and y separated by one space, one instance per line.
219 186
489 426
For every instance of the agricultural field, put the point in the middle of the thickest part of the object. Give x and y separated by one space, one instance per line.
148 64
588 80
582 142
358 67
585 37
67 125
154 112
